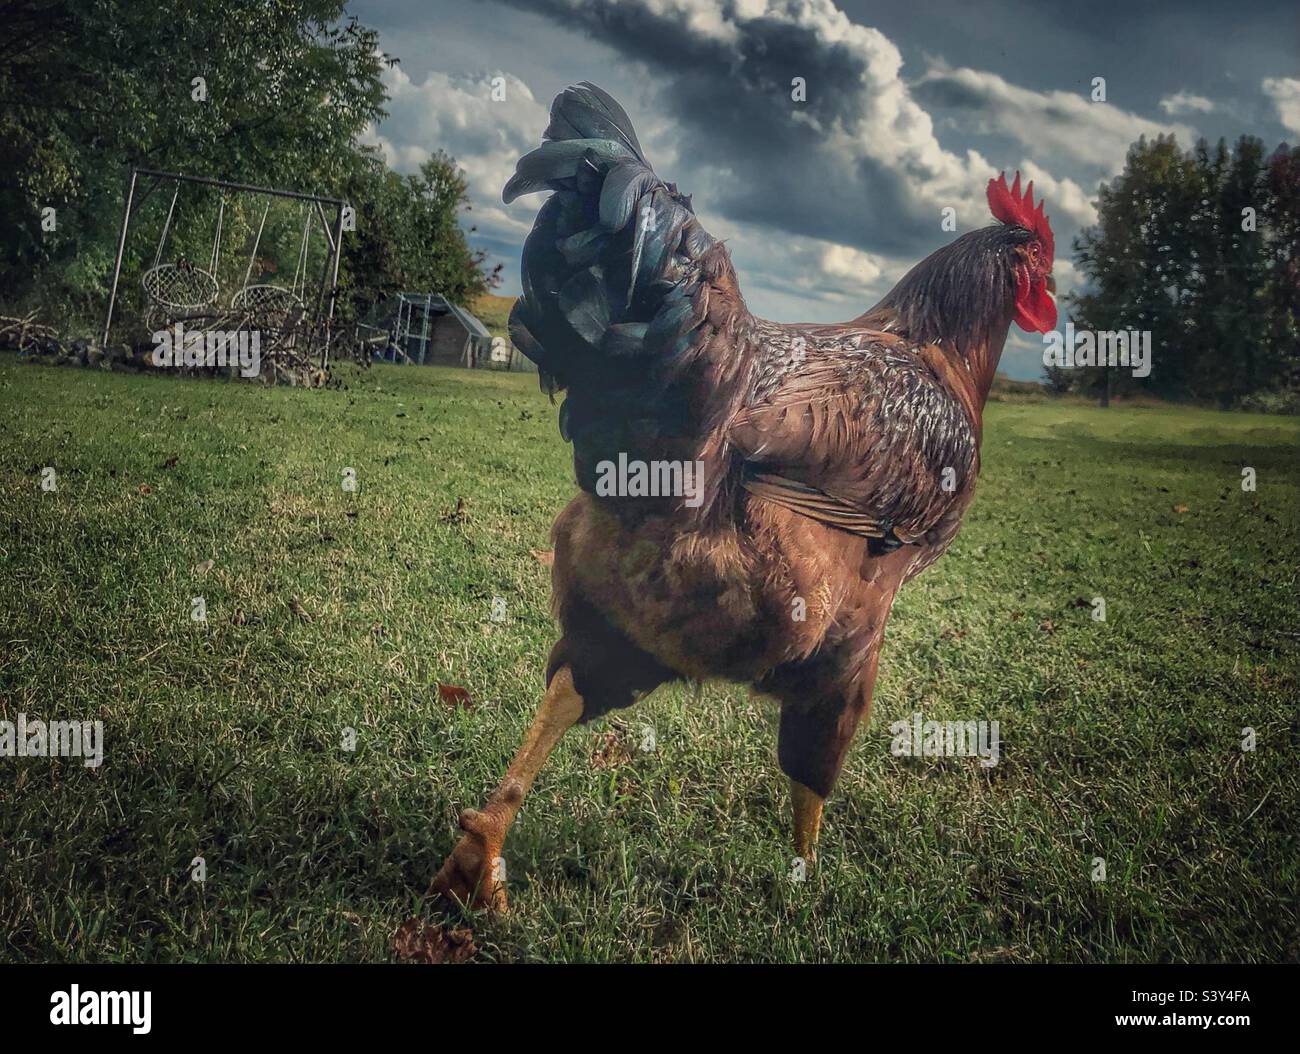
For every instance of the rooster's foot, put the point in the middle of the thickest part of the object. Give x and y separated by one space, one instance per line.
473 875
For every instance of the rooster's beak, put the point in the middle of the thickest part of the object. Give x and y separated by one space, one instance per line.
1051 285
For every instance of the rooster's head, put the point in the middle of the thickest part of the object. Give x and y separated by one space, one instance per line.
1032 255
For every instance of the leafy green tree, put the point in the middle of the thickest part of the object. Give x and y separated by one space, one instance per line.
1137 263
1200 249
1283 218
409 236
1234 355
271 93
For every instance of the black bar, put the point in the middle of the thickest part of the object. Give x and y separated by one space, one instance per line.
982 1004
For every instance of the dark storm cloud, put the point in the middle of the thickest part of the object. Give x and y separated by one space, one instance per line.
826 203
805 168
1062 124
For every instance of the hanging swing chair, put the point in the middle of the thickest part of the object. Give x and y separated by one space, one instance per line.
274 304
182 286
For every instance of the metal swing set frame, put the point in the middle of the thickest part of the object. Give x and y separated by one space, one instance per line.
183 290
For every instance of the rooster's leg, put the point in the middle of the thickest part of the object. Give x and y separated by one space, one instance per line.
473 874
813 741
807 819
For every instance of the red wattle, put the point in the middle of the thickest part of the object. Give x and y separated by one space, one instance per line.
1035 308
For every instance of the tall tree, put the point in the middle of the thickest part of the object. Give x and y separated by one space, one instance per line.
409 235
265 93
1283 217
268 93
1193 247
1137 262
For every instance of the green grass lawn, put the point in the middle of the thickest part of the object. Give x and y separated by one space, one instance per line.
329 610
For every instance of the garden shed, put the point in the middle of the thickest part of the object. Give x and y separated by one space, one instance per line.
429 330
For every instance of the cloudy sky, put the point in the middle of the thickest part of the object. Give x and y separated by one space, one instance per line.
911 107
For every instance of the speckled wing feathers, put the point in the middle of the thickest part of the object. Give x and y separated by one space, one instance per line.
857 434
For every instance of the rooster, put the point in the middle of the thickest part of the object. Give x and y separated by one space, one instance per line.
834 462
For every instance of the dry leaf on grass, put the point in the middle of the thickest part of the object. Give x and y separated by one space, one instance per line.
422 942
454 695
610 751
144 488
1180 508
545 557
459 514
205 567
1047 626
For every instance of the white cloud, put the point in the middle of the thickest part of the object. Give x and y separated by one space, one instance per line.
1060 123
1182 102
839 261
823 206
1285 93
860 137
457 114
1068 277
790 276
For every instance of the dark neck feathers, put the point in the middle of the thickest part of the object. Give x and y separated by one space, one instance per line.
960 297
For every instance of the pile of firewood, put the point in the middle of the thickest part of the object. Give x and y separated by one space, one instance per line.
27 336
39 343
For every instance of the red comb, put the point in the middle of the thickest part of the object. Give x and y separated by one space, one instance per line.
1008 206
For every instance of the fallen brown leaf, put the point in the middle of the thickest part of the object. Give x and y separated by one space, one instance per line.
610 752
454 695
422 942
999 954
545 557
144 488
205 567
1047 626
1180 508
